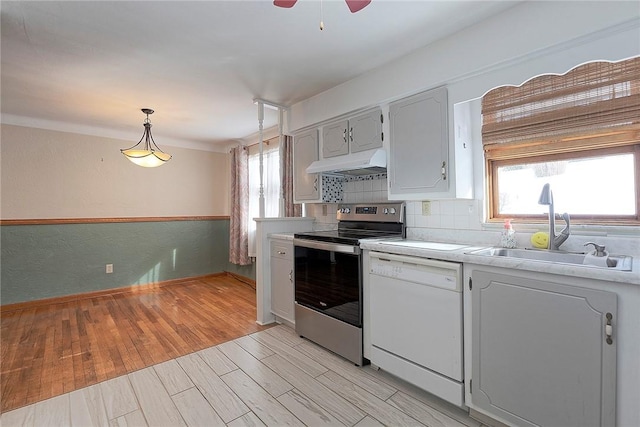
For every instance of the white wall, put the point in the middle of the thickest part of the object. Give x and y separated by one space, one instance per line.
529 39
51 174
526 40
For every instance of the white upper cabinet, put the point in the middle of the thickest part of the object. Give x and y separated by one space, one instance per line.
365 131
335 139
359 133
419 145
306 187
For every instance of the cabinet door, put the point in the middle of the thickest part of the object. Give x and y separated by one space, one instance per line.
305 152
365 131
419 144
334 139
541 353
282 291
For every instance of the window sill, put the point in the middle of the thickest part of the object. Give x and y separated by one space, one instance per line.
576 229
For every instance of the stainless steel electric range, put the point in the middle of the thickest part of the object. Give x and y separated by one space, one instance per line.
328 275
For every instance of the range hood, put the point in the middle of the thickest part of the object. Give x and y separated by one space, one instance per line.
363 163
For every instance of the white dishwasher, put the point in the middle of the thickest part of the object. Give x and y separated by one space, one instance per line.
416 322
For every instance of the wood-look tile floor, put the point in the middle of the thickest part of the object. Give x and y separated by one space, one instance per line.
272 377
58 348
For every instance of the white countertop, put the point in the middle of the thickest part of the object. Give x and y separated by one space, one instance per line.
282 236
459 253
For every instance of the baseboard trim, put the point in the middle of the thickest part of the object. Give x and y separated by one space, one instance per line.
133 288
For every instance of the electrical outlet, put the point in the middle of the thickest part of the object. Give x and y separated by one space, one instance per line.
426 208
108 268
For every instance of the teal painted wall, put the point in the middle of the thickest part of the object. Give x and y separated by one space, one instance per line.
43 261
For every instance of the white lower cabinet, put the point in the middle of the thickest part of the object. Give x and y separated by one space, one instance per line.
282 290
543 352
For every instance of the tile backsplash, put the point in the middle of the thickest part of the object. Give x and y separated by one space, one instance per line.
462 221
372 188
446 214
347 189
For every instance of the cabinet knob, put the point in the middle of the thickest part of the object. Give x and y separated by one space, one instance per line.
281 253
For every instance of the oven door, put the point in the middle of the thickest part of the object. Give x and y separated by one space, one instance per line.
328 279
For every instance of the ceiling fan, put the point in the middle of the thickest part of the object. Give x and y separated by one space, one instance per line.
354 5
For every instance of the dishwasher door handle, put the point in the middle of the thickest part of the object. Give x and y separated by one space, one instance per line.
414 260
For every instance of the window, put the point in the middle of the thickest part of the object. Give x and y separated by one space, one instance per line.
579 132
271 183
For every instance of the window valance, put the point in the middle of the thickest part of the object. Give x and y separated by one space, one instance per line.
595 105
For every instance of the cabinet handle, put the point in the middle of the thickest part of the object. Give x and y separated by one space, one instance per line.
291 276
281 253
344 135
351 134
443 170
608 329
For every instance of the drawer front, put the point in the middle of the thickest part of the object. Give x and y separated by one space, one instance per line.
282 249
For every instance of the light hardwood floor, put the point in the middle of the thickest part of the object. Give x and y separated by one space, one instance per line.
272 377
61 347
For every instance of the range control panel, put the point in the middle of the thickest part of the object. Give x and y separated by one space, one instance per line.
379 212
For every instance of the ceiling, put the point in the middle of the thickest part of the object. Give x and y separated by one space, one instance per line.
89 67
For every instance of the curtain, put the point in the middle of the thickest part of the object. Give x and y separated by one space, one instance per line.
271 183
290 209
595 105
238 228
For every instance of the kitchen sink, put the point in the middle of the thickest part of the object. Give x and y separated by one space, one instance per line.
614 262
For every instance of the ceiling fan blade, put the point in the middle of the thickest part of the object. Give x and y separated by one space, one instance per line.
284 3
356 5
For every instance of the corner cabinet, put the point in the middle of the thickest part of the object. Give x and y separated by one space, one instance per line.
306 187
282 291
543 352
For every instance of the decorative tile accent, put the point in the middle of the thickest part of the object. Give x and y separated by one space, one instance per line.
349 178
354 189
331 189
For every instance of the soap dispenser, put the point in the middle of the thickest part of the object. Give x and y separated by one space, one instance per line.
508 238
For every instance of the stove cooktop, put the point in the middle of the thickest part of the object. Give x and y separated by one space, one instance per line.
352 237
360 221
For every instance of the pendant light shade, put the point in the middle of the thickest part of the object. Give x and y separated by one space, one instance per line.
148 155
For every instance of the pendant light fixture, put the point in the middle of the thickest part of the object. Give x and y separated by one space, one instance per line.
149 156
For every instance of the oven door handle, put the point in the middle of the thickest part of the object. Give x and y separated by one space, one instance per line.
326 246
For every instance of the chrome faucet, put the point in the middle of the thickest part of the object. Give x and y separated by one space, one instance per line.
546 198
